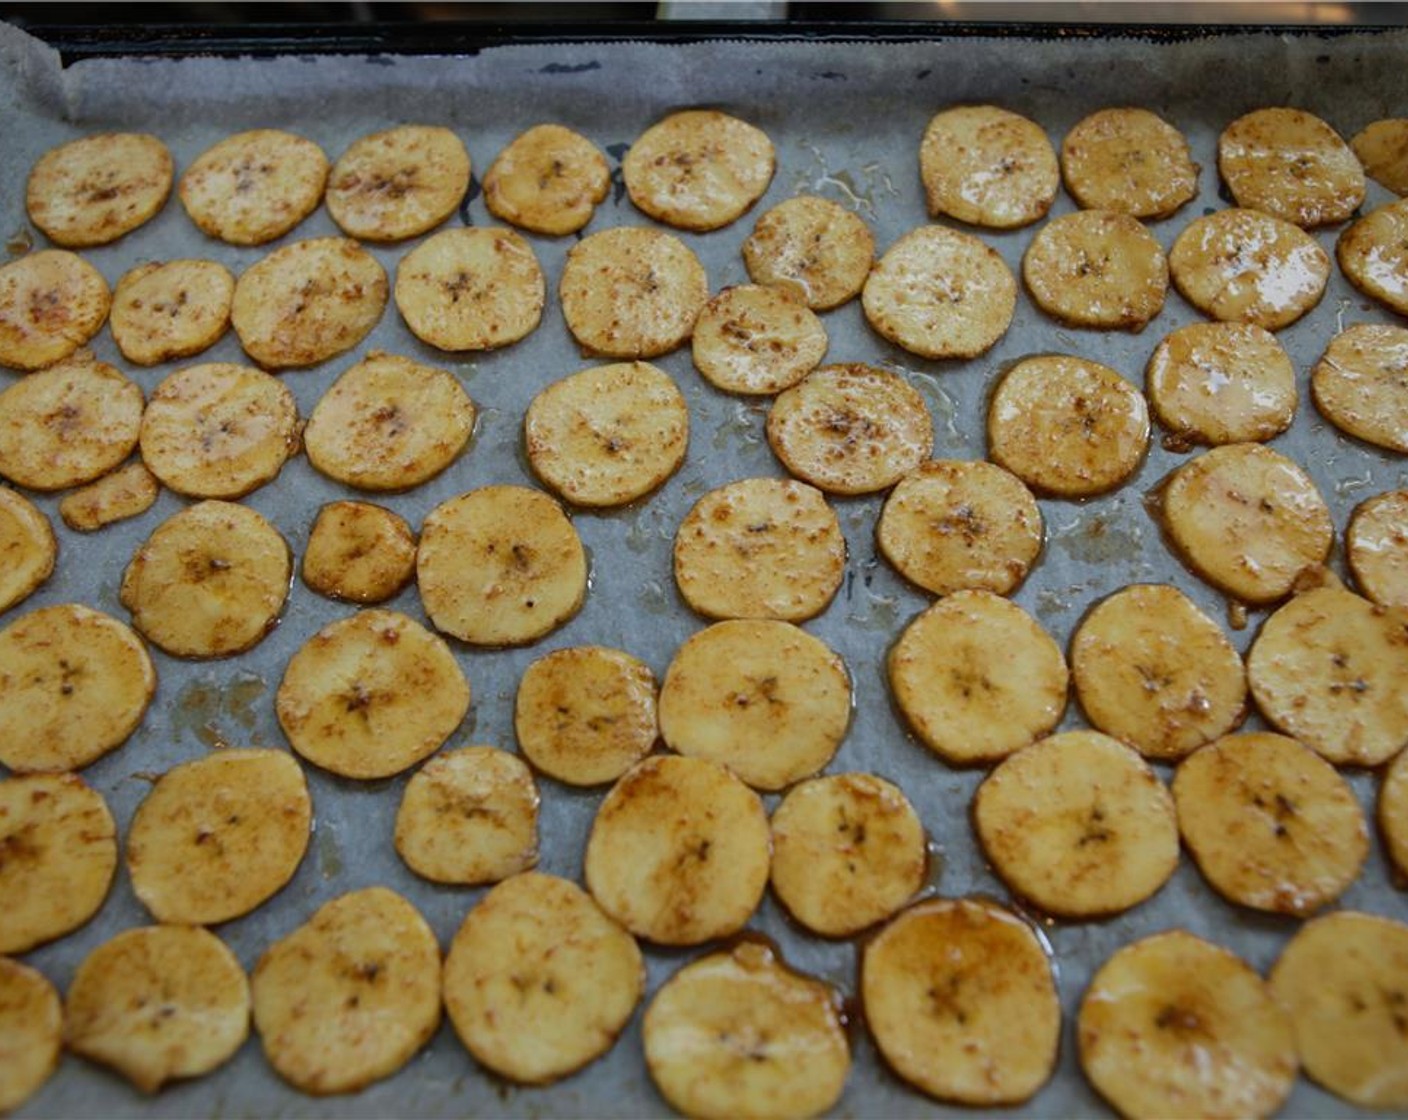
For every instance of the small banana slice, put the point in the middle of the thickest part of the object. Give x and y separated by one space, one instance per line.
813 246
607 435
1372 256
469 816
254 186
1291 165
538 981
760 548
398 183
125 492
1393 812
738 1034
1128 160
1376 545
31 1033
1097 268
757 340
370 695
51 303
28 549
1382 149
1360 384
1078 824
1174 1026
548 180
173 309
988 167
93 190
960 998
359 552
1344 980
679 851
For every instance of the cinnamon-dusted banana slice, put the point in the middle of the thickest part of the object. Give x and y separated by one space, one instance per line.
1174 1026
217 837
1372 256
1130 161
815 247
1360 384
607 435
1393 812
370 695
60 846
172 309
307 302
760 548
28 549
1382 150
74 684
548 180
359 552
629 292
469 816
1292 165
1097 268
349 996
1078 824
51 303
1376 545
398 183
1067 426
389 423
125 492
757 340
500 566
960 998
739 1034
699 169
92 190
538 981
679 850
1344 980
766 699
31 1032
1331 669
1247 519
988 167
254 186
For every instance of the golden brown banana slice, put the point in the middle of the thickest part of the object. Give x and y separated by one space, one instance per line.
988 167
1097 268
51 303
738 1034
28 549
813 246
254 186
31 1033
173 309
93 190
1372 256
370 695
607 435
125 492
219 836
1360 384
679 851
757 340
1393 812
359 552
760 548
1174 1026
1291 165
349 996
1382 150
960 998
548 180
398 183
1130 161
538 981
1376 546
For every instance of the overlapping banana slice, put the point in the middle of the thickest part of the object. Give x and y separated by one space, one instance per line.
254 186
1382 150
1376 546
1128 160
988 166
813 246
165 310
548 180
93 190
51 303
123 493
359 552
1097 268
28 549
1292 165
398 183
1360 384
1393 812
756 339
31 1033
1372 255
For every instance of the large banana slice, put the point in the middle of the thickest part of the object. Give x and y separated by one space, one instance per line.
1393 812
31 1033
548 180
1360 383
755 339
1382 150
28 549
359 552
51 303
254 186
93 190
173 309
988 166
126 492
813 246
1097 268
1372 256
1128 160
1292 165
398 183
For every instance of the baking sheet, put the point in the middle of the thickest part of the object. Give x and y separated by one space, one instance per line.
845 118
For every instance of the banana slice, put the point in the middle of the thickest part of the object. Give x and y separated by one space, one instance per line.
173 309
538 981
1360 384
124 493
813 246
1372 256
738 1034
60 851
766 699
757 340
607 435
548 180
988 167
359 552
1174 1026
1376 545
848 851
1155 672
1382 149
51 303
219 836
1128 160
254 186
74 684
961 1000
1291 165
977 678
760 548
31 1033
93 190
469 816
1393 812
1078 824
952 525
1097 268
679 851
500 566
371 695
28 549
398 183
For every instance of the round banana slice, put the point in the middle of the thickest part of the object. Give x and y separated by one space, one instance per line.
952 525
679 851
940 293
126 492
219 836
1393 812
173 309
538 981
631 293
74 684
960 998
500 566
1331 669
1067 426
1376 545
349 996
815 247
988 167
1078 824
93 190
359 552
1248 520
1344 980
548 180
607 435
1291 165
1372 256
1097 268
739 1034
28 549
51 303
398 183
307 302
1360 384
1130 161
469 816
60 848
1155 672
1382 150
848 851
766 699
699 169
32 1030
1174 1026
760 548
254 186
209 582
757 340
371 695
